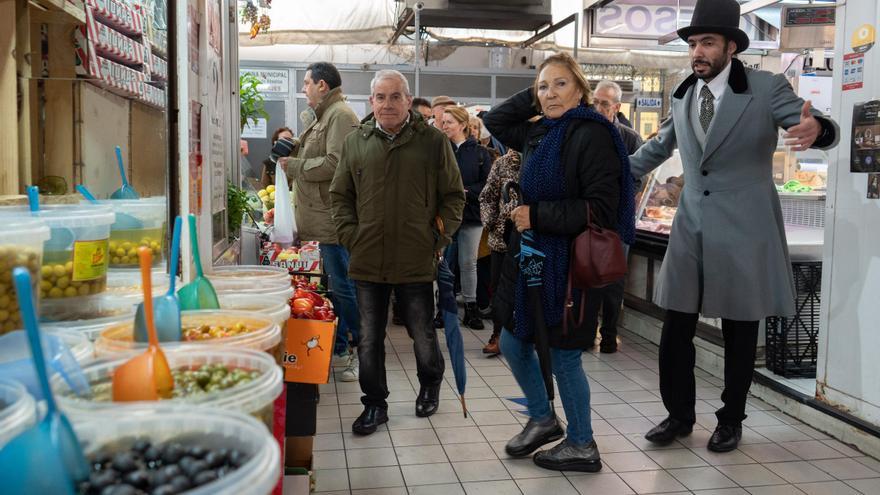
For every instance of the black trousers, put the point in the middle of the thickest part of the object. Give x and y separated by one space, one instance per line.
495 260
677 358
610 299
417 309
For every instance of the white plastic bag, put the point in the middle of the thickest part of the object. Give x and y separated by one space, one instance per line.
285 225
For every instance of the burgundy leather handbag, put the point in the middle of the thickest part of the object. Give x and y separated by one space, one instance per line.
597 260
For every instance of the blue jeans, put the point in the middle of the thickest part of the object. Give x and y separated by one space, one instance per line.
335 260
574 389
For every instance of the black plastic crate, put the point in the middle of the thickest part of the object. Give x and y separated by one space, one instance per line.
792 343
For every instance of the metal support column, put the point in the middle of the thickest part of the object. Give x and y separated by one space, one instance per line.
418 37
577 33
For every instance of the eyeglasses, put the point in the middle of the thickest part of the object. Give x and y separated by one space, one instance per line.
603 103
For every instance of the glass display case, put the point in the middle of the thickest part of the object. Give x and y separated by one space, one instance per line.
658 197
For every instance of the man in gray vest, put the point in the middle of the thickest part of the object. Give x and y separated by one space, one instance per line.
727 256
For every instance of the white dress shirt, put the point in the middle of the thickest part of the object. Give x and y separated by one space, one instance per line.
718 86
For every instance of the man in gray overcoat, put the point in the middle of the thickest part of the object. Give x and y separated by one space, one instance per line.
727 256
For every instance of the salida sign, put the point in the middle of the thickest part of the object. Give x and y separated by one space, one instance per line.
647 20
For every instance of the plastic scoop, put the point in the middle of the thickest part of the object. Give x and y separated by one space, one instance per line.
17 364
61 238
167 312
126 191
198 294
148 376
123 221
46 458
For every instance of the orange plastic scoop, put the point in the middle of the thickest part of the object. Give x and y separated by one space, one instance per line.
148 376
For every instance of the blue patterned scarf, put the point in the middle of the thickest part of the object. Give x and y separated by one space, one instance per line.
543 179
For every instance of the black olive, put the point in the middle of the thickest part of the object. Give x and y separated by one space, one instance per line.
237 458
101 458
152 454
164 490
119 490
180 483
204 478
193 468
172 454
197 451
141 445
215 459
138 479
166 474
124 462
102 479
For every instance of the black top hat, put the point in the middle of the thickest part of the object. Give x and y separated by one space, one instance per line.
719 17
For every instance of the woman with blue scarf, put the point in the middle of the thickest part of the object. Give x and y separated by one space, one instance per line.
571 156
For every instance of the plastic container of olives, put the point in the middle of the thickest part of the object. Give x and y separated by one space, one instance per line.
17 410
20 245
203 375
75 257
122 296
139 223
193 426
274 291
123 281
256 273
227 328
274 308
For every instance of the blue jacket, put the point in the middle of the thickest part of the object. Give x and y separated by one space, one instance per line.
474 162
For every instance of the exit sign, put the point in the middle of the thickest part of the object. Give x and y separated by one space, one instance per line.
649 102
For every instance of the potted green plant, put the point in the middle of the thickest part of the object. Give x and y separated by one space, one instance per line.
252 105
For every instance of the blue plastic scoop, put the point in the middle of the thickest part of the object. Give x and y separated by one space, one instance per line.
61 237
126 191
46 458
123 221
166 309
200 293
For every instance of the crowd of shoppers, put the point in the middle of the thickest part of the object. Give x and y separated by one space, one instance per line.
416 181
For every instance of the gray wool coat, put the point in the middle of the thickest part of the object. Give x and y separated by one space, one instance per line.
727 255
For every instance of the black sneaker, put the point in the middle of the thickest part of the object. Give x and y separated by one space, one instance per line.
569 457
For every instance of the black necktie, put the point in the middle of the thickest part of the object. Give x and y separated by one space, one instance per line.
707 107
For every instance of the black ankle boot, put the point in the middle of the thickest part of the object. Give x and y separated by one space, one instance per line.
472 317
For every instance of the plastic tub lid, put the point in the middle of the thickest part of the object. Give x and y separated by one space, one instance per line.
215 429
91 329
278 292
247 397
25 230
17 410
118 339
89 308
272 307
59 346
69 216
260 272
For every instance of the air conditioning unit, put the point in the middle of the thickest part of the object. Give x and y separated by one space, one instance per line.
806 27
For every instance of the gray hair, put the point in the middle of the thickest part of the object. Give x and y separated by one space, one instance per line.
389 74
613 86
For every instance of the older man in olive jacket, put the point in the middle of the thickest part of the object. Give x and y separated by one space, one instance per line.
396 177
310 170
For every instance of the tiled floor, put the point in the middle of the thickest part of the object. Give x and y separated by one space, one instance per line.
448 454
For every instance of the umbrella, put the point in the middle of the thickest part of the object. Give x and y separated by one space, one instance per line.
447 304
531 266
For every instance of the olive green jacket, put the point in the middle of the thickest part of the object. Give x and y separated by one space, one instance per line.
313 165
386 195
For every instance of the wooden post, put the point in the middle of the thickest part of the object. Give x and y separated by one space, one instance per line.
9 175
26 86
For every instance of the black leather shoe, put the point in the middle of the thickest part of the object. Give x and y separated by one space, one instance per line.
725 438
608 347
369 420
569 457
472 317
668 430
534 435
427 401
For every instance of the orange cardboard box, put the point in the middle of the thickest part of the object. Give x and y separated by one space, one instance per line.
308 349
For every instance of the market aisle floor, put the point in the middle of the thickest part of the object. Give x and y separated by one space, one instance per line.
448 454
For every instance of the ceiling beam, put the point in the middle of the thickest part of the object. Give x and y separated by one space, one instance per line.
406 17
550 30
